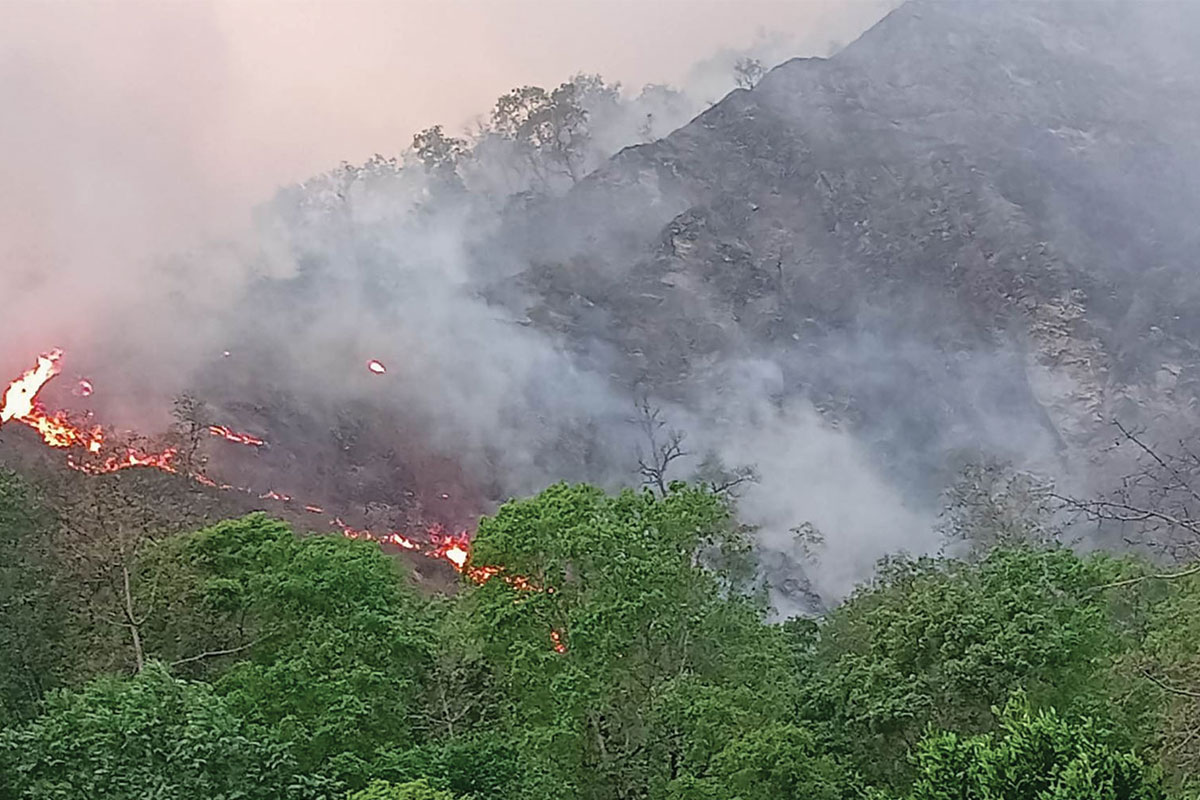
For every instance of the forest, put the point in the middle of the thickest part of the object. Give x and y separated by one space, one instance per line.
597 645
907 303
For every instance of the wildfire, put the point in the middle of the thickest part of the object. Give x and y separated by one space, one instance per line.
20 399
452 548
130 458
231 435
20 403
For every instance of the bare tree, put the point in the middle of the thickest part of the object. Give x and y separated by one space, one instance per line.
724 480
1157 503
189 430
106 523
991 503
665 446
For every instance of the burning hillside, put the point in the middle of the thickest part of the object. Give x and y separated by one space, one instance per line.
91 449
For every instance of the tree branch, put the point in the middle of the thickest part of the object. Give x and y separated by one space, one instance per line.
1162 577
215 653
1167 687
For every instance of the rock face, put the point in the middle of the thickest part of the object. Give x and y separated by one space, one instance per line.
976 227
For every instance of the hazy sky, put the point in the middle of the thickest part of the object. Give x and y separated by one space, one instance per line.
236 96
132 127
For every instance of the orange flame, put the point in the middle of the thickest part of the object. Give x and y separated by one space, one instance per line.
130 458
230 435
20 403
20 399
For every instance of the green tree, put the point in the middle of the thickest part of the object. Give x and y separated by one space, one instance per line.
1032 756
413 790
33 627
666 658
148 735
1169 662
775 761
939 641
318 637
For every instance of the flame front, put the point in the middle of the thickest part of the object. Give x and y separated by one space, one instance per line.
20 403
230 435
20 399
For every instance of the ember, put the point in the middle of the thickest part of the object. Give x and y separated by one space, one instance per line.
20 403
233 436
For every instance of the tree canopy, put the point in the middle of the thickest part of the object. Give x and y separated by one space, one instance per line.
616 646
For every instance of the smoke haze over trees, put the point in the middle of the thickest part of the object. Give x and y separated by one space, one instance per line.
894 341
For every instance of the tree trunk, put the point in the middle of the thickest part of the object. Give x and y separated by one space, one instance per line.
131 621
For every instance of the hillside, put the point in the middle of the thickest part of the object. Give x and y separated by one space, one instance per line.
971 228
831 441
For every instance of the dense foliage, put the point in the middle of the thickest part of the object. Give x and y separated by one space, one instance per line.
623 650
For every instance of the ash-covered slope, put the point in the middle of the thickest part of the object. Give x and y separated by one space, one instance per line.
975 227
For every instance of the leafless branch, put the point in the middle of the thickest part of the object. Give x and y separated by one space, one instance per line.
666 446
1116 511
215 653
1136 439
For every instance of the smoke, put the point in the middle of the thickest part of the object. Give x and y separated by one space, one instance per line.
131 144
101 163
134 129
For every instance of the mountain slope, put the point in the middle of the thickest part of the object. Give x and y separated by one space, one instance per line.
972 228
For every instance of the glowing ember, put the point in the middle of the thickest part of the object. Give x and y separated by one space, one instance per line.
231 435
19 403
132 458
